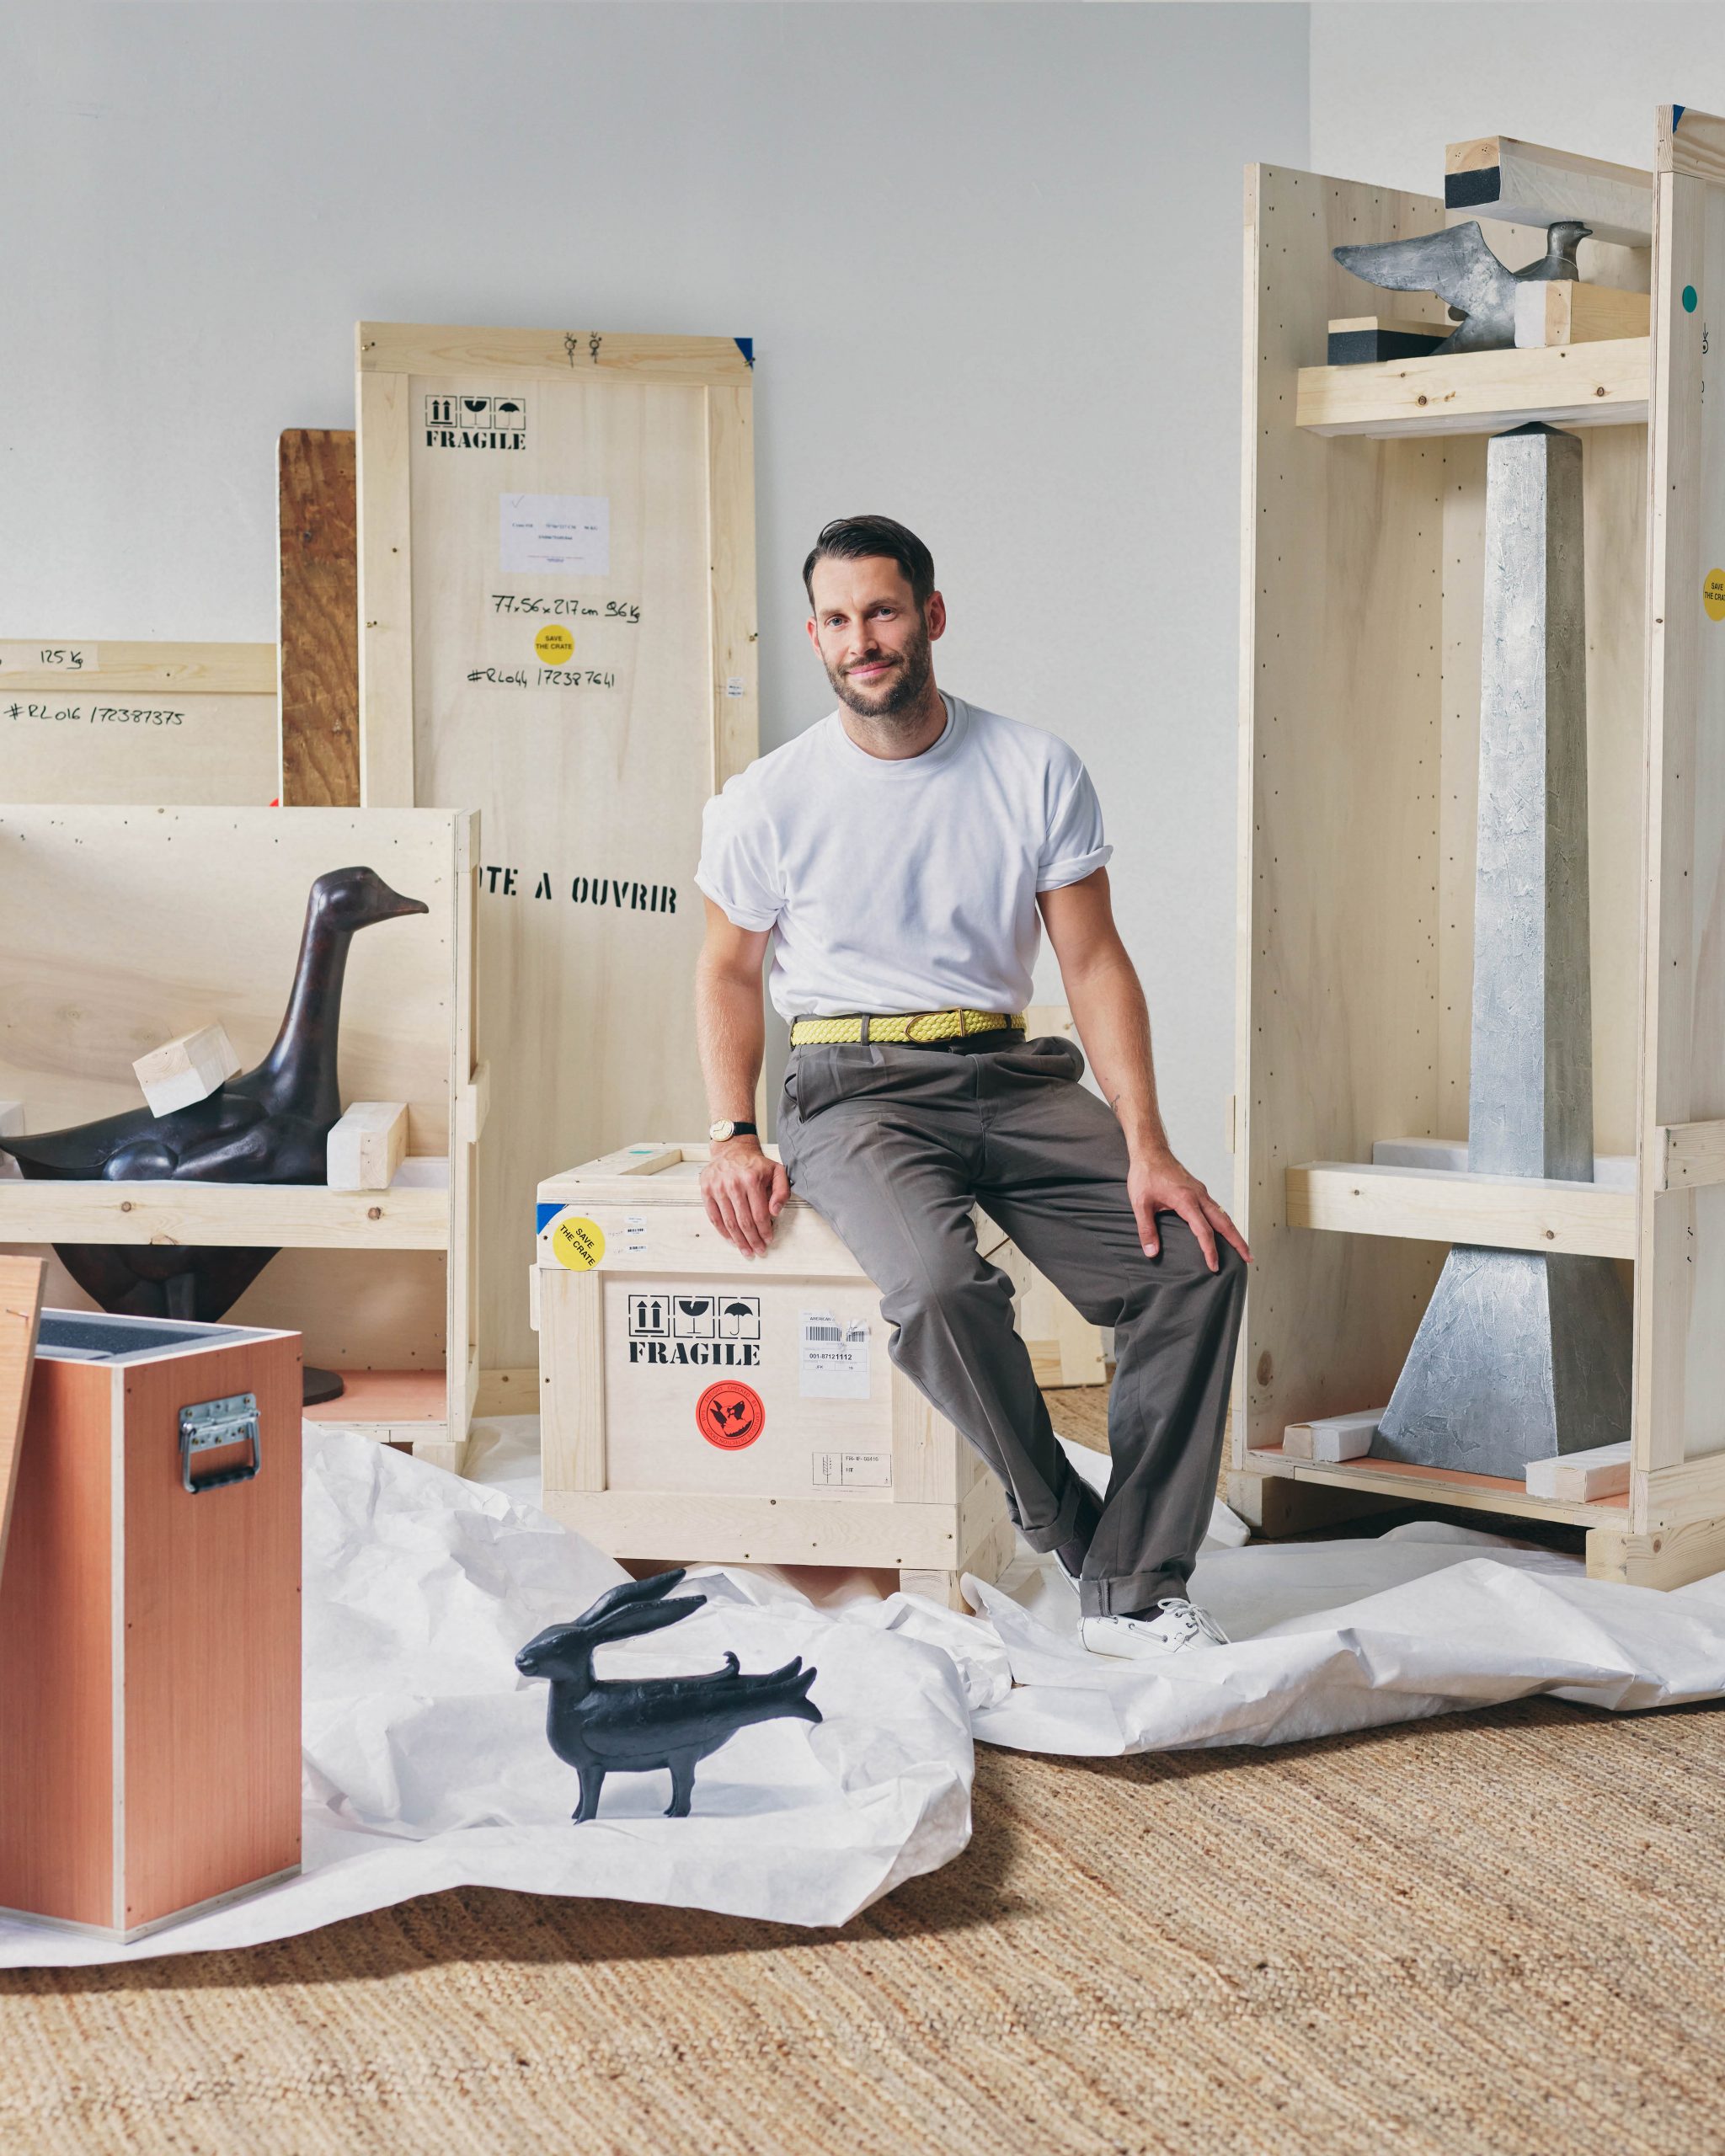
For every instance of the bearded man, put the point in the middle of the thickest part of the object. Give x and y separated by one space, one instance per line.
900 860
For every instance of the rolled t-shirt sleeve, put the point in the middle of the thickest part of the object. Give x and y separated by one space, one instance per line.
737 869
1074 847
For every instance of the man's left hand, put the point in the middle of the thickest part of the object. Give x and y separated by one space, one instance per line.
1159 1184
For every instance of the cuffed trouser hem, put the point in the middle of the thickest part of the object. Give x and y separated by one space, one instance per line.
1060 1529
1126 1598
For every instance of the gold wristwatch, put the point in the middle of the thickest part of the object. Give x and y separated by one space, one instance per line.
718 1132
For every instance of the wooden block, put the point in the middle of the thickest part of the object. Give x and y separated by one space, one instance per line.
367 1146
1358 339
1598 385
187 1070
319 585
150 1687
1524 183
1576 1477
1331 1438
20 1301
1565 312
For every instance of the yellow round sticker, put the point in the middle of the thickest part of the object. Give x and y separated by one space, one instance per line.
555 646
1713 595
579 1244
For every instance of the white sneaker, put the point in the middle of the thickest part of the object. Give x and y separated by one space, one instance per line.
1180 1624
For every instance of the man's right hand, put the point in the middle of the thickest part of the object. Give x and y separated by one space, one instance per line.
744 1193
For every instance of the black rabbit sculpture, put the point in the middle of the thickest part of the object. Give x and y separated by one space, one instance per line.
601 1725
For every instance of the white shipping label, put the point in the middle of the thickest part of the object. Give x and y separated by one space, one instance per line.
832 1357
853 1470
555 535
635 1234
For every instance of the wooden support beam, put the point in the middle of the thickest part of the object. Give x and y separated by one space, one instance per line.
188 1070
1578 1477
1690 1155
1519 183
320 619
1437 1205
1565 312
1276 1504
1668 1558
1329 1439
366 1147
1600 384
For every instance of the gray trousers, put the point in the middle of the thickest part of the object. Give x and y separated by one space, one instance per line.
892 1145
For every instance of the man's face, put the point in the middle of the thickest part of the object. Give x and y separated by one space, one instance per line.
872 638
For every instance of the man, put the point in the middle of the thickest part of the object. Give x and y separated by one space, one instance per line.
895 858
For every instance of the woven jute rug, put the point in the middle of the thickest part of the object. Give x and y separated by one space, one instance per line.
1494 1933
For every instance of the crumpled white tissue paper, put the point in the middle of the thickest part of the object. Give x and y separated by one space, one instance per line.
426 1764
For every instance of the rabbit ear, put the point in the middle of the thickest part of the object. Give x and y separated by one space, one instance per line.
629 1622
629 1593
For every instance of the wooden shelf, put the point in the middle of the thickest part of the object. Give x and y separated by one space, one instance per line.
1443 1205
289 1216
1597 384
1439 1486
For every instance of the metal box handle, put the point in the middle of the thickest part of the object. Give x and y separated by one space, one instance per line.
212 1423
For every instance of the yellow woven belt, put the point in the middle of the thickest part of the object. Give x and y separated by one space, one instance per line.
913 1026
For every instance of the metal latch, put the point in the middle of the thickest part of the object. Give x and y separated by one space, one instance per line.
213 1423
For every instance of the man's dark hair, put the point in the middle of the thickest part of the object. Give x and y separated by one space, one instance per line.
861 538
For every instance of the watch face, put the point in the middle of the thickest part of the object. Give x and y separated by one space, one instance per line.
721 1130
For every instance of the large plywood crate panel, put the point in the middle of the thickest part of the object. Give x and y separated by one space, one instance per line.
701 1406
123 928
1362 592
557 629
190 724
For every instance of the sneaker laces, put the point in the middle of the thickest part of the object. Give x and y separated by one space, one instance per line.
1195 1624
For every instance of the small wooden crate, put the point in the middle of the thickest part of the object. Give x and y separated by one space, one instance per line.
699 1406
150 1633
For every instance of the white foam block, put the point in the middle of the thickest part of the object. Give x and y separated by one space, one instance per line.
1331 1438
366 1147
1577 1477
186 1070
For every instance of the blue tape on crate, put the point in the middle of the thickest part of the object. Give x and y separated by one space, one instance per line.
745 345
544 1214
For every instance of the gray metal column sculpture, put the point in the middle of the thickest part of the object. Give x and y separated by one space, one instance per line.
1520 1356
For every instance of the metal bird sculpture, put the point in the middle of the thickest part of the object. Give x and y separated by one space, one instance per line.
1461 270
601 1725
267 1125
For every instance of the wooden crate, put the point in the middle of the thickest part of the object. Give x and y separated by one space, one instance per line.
1361 624
589 771
150 1634
844 1465
121 928
188 723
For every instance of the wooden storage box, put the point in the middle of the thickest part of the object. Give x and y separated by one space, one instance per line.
702 1406
150 1632
1360 665
121 928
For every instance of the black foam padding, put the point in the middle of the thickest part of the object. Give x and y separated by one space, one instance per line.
1470 191
97 1339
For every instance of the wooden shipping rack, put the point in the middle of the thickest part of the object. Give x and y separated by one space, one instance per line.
1360 657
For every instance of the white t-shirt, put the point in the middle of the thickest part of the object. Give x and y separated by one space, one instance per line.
902 884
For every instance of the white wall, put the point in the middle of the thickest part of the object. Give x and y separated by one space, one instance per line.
990 256
1393 82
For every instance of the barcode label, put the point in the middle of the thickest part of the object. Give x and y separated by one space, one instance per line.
832 1357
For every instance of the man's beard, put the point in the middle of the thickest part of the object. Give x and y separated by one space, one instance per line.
903 688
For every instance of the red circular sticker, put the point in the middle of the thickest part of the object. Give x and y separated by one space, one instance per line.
729 1415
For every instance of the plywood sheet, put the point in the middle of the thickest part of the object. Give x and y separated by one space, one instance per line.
123 722
556 563
320 618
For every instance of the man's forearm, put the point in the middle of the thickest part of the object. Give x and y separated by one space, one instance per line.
730 1028
1109 1009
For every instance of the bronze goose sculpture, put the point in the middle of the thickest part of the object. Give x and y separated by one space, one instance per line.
267 1125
